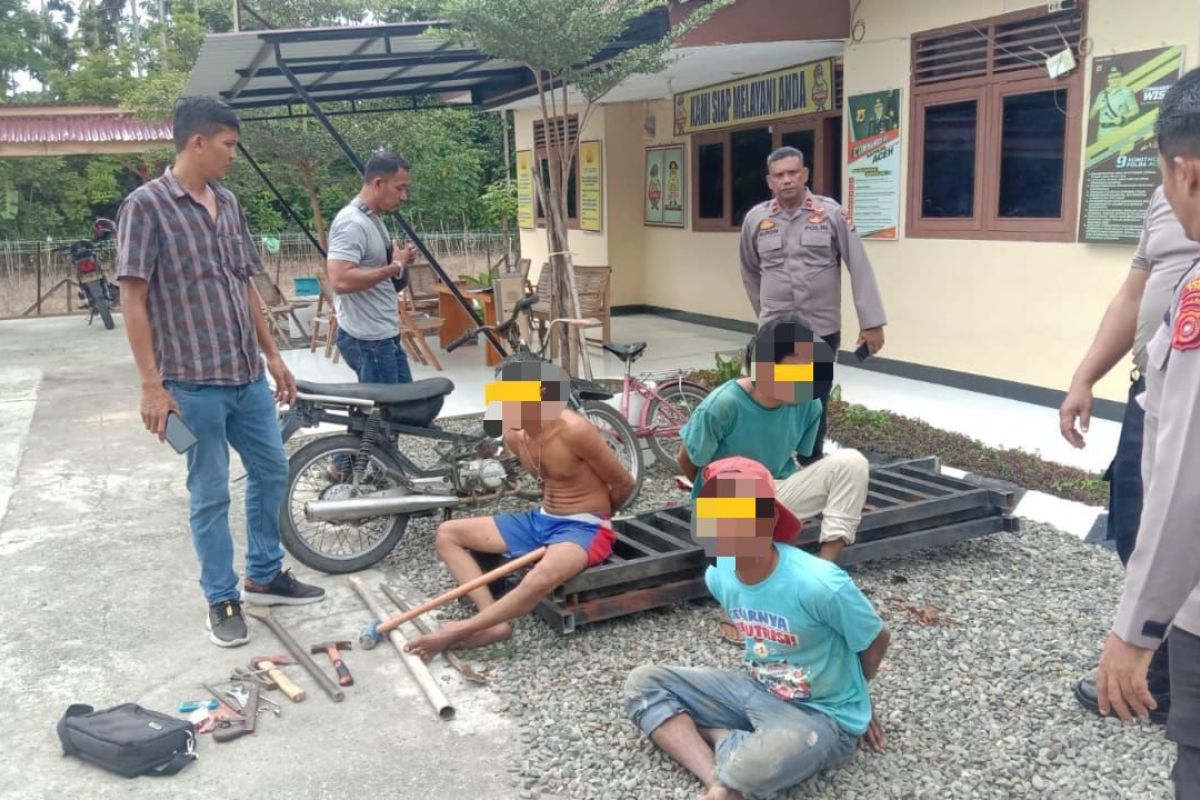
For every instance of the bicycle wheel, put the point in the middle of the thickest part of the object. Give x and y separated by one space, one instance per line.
669 410
619 435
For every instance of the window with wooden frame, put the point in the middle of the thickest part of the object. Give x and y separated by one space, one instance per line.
540 146
729 167
995 148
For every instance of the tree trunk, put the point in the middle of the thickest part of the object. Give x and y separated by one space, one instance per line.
565 298
314 203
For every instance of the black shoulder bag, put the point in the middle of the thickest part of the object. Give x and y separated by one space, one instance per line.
128 739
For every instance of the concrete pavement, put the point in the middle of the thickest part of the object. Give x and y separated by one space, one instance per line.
99 604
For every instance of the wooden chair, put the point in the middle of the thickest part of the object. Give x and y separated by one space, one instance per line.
421 281
326 317
280 311
523 268
414 328
593 285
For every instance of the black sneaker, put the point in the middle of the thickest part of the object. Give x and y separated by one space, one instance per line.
284 590
226 626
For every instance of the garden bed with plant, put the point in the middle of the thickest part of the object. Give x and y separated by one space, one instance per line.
893 436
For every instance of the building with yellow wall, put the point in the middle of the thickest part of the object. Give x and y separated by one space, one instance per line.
977 295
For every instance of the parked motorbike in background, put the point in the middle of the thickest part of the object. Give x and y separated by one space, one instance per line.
100 294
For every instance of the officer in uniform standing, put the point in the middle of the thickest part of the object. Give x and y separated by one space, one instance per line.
1163 254
791 250
1162 583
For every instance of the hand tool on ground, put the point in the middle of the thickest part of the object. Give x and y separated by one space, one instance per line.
416 666
249 712
375 630
402 603
223 720
332 650
263 614
258 676
272 664
188 706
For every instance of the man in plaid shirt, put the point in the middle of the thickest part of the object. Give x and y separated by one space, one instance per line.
185 258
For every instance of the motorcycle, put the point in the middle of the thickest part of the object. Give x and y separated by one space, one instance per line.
95 290
351 495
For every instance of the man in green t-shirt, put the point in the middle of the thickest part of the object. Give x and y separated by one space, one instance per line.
774 414
811 642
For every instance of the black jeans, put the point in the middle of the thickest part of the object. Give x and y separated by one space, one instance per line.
834 340
1124 478
1183 726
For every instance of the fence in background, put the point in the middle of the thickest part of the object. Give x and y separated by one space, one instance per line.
28 269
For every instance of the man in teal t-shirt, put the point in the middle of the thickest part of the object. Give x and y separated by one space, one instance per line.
812 641
771 416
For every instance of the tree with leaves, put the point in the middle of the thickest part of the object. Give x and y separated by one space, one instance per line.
560 44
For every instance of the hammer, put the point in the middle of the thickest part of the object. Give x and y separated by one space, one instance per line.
271 664
375 631
331 649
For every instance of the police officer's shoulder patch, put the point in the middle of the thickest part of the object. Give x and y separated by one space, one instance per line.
847 216
1186 333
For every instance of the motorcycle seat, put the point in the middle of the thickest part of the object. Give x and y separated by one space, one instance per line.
390 394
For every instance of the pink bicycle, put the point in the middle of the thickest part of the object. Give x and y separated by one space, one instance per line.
667 405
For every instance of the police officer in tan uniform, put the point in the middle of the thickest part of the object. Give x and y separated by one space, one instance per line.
791 250
1135 313
1162 583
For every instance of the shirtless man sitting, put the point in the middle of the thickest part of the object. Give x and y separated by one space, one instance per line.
583 483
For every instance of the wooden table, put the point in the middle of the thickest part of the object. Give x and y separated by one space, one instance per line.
455 320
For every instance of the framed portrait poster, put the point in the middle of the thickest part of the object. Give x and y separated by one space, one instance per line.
664 187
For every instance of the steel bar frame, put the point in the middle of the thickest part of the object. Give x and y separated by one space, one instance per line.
655 562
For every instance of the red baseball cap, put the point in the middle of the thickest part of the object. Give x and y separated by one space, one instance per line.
787 524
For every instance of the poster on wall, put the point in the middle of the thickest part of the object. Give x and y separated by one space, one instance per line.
803 89
591 181
664 186
525 190
873 171
1121 160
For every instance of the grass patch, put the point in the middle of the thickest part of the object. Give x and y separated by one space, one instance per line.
898 437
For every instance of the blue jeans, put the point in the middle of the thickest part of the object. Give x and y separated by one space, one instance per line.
242 416
380 361
772 744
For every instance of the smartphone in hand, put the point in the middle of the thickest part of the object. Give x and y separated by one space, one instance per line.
179 436
863 352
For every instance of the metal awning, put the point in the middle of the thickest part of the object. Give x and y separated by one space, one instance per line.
327 71
250 69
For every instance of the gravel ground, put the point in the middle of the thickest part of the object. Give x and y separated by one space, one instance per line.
977 704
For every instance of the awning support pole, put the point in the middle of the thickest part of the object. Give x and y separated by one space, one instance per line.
291 212
282 64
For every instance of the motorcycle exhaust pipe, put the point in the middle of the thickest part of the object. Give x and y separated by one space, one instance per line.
367 507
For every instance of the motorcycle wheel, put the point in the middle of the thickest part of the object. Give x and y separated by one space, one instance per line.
99 304
620 437
336 547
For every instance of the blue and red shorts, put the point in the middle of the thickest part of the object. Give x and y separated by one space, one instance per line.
527 531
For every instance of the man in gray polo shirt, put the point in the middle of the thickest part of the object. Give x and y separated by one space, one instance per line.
367 269
1163 254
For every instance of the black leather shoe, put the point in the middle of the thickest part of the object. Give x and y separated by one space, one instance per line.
1085 693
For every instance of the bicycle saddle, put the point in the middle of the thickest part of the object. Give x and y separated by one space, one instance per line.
625 352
